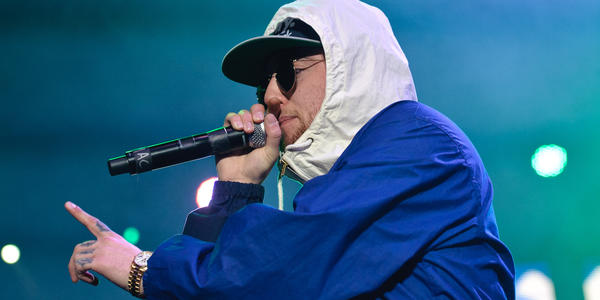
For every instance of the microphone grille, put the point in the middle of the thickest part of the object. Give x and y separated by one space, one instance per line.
258 138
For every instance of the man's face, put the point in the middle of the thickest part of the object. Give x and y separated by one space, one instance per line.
296 113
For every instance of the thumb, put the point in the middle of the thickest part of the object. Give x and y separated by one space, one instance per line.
273 137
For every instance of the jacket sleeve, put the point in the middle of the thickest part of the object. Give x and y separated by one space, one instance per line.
205 223
404 213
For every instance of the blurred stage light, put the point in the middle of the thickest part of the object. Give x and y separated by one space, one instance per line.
549 160
132 235
535 285
10 254
204 193
591 285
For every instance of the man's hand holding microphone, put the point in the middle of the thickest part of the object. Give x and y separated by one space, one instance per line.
111 255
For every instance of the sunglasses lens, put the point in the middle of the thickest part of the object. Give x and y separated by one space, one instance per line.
285 76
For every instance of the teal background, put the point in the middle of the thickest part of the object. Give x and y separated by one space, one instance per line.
82 81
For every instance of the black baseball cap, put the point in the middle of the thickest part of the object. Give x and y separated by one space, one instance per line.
245 63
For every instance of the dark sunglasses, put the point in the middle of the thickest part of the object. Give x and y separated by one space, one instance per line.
285 74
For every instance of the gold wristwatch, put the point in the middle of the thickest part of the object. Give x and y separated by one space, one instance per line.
139 265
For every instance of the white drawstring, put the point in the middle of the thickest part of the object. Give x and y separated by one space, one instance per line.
299 147
293 147
280 192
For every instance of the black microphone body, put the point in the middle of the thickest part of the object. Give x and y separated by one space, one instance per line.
215 142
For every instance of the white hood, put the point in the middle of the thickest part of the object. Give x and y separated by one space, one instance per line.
366 72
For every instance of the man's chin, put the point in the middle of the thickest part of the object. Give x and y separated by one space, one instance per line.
289 139
285 142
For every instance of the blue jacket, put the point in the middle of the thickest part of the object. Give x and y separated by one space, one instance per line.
404 213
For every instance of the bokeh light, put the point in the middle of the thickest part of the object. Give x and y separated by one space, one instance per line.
132 235
549 160
591 285
10 254
535 285
204 192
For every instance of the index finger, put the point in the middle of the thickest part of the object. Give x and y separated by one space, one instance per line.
234 120
258 113
95 226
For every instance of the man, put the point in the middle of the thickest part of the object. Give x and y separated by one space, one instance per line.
395 203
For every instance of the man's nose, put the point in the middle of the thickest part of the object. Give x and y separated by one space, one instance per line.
273 96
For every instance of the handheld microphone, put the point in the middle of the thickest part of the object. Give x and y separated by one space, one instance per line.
222 140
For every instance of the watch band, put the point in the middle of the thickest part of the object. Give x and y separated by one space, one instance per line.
134 284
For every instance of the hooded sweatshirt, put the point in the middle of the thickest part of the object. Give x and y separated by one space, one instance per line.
396 202
366 71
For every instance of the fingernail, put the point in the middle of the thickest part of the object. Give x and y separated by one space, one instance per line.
94 279
260 115
238 124
71 204
248 126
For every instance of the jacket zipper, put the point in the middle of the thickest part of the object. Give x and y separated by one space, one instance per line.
283 166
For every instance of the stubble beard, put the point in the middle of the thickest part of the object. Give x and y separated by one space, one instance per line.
292 137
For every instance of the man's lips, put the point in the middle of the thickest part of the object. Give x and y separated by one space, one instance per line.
283 119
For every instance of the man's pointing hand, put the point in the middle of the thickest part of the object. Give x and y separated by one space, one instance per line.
110 254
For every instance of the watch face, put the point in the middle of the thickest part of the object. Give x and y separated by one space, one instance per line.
142 258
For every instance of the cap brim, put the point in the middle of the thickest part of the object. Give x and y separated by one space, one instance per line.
245 63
